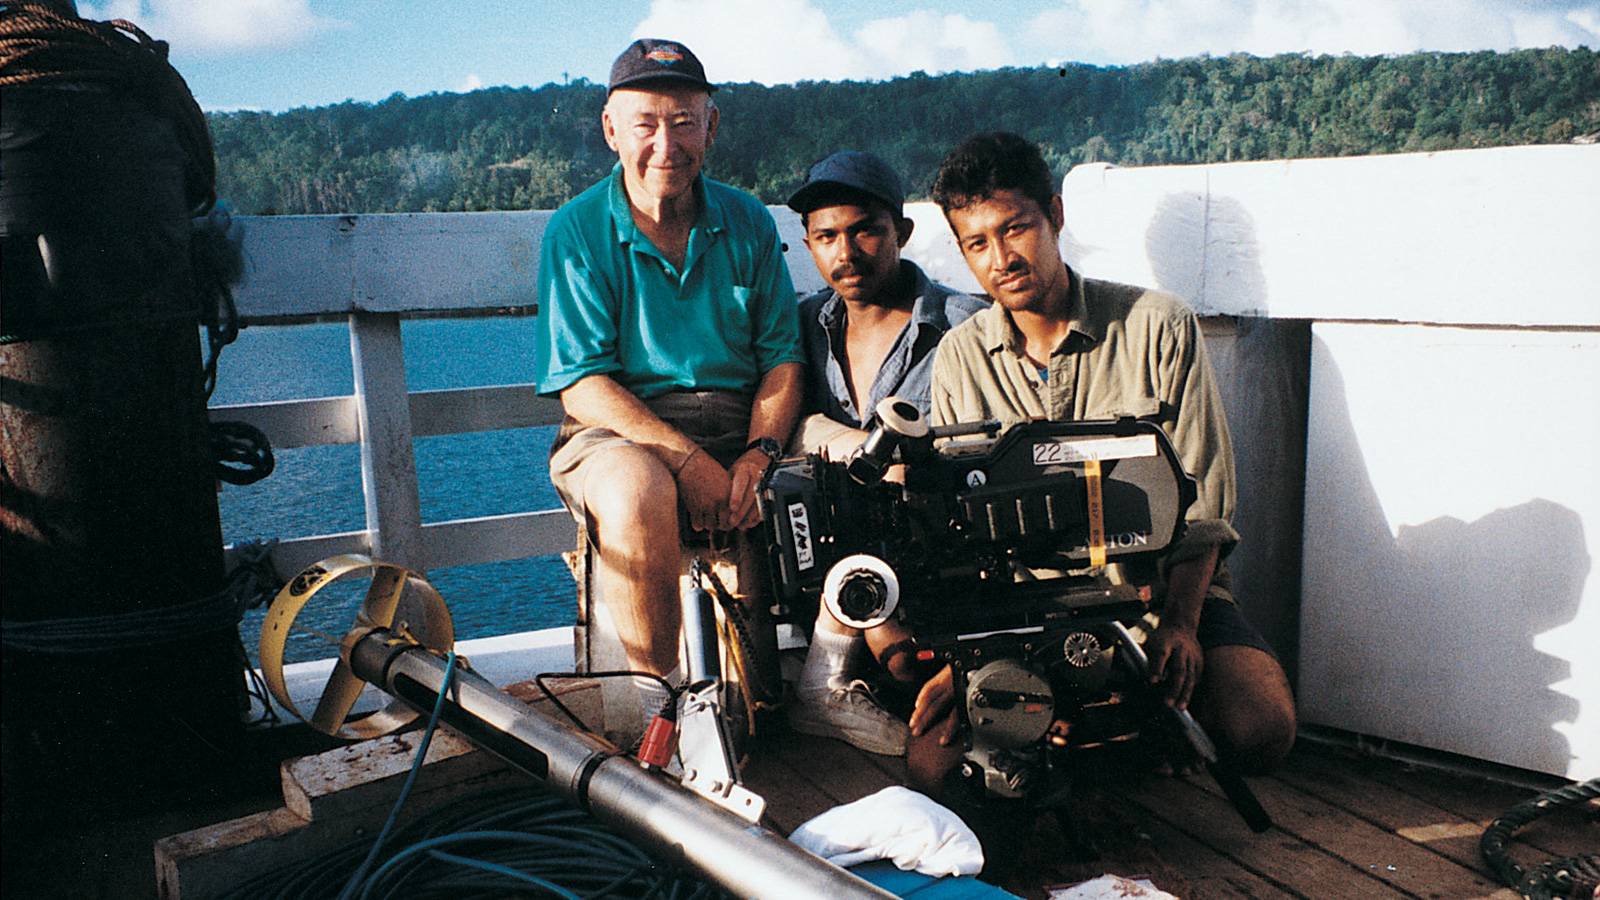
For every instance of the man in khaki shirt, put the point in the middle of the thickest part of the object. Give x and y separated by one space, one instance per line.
1059 346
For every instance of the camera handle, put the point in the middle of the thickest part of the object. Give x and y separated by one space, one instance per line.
1239 794
897 421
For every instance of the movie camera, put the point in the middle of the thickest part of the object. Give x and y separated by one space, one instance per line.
992 551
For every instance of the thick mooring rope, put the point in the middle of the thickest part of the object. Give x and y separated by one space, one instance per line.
42 43
1564 875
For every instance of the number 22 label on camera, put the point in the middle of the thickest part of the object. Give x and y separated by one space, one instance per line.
1061 452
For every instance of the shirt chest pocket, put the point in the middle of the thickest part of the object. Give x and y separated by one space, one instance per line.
1139 406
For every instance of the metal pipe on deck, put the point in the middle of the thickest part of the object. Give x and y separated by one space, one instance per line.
669 821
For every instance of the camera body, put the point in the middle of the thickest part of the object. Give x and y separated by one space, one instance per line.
990 553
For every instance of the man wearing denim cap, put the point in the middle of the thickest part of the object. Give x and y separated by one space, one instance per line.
667 329
870 335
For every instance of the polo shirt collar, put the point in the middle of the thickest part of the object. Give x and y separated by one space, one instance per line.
712 218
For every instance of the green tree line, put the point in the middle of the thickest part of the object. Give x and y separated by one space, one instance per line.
534 148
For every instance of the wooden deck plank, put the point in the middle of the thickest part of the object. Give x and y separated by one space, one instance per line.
1338 782
1212 874
1123 844
1133 845
1568 832
1338 831
840 771
1279 856
1406 865
792 798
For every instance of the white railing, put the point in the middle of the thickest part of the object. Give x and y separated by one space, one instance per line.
383 418
375 270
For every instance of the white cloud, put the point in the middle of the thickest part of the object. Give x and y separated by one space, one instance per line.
1128 31
784 41
218 26
471 83
935 43
770 41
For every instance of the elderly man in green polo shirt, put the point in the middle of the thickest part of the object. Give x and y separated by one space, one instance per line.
668 330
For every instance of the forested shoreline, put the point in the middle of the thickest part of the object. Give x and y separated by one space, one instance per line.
534 148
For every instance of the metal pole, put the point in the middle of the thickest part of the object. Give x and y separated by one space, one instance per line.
669 821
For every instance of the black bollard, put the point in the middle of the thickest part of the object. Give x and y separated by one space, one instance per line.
107 493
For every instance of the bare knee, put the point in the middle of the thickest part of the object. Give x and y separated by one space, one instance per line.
1247 707
631 501
630 495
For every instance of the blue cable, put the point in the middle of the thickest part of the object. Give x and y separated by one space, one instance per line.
512 840
405 790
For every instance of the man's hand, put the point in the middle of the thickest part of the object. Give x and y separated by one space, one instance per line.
1176 659
704 488
744 478
934 701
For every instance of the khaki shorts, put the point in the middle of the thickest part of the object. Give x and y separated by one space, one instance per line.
719 421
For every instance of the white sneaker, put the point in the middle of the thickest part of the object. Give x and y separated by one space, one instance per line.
851 714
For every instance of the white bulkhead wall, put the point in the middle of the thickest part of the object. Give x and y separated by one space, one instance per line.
1425 330
1452 503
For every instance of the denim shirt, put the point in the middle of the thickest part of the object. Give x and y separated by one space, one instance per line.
907 370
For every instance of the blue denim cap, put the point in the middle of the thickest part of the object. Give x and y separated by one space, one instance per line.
850 169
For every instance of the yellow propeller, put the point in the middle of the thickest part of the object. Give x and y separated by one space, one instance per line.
397 598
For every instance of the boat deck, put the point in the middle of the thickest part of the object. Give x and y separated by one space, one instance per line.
1346 825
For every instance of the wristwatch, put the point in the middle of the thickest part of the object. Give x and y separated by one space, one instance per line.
770 447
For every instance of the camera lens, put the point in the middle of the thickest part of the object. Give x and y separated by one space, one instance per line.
862 594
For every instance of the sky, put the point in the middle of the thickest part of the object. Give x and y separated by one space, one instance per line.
278 54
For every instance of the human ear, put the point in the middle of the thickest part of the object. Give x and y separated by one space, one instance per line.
902 229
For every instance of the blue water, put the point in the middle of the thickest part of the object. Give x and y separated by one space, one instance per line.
317 490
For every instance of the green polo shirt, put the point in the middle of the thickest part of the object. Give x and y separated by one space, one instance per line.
610 303
1130 352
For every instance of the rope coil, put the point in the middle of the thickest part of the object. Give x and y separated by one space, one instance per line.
519 840
42 44
242 452
1568 876
248 586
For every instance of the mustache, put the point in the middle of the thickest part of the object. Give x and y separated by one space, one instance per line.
1017 267
851 270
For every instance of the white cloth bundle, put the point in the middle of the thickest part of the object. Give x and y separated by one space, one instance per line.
897 824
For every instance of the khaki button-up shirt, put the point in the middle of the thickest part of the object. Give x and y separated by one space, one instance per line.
1130 352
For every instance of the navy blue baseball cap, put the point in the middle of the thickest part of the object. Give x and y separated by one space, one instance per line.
854 170
654 60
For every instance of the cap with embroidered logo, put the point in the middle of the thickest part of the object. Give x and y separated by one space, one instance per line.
653 60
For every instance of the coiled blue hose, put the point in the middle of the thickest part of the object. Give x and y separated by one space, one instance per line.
517 840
